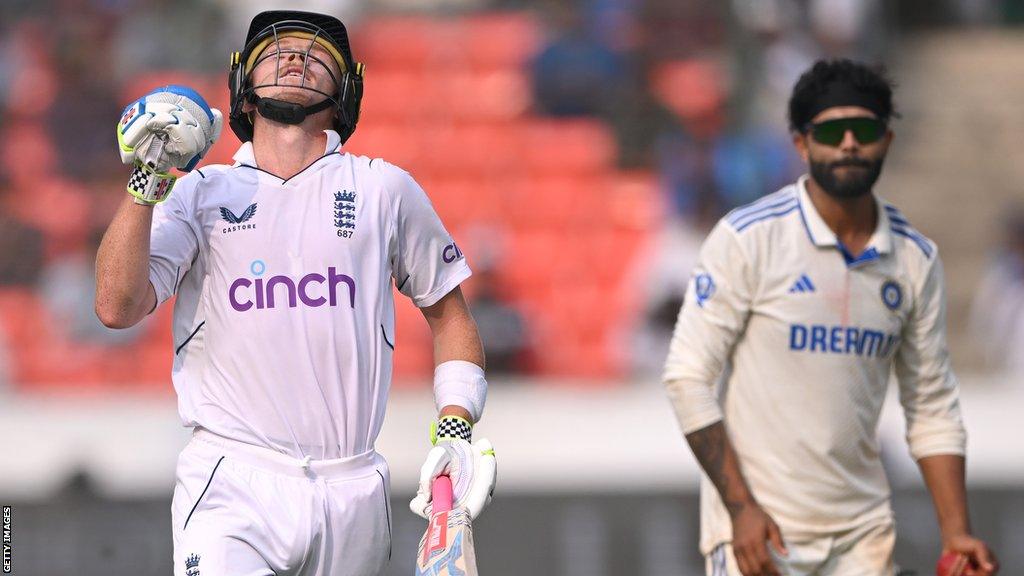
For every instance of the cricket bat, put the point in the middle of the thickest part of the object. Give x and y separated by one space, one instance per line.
446 548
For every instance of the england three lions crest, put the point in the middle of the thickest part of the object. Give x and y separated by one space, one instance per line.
345 213
192 565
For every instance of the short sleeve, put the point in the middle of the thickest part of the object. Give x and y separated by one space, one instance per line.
173 242
714 314
426 262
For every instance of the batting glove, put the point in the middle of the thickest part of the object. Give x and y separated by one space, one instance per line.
471 467
169 127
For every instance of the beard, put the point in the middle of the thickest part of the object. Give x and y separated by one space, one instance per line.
854 183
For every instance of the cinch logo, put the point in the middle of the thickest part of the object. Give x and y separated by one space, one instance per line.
451 253
244 293
842 340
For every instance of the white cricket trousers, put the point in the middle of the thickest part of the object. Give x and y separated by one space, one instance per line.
243 510
863 551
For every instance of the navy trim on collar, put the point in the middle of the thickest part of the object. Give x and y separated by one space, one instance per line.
285 180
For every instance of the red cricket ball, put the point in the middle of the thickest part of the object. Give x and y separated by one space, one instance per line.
952 564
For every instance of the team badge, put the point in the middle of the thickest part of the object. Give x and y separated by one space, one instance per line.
892 295
345 213
192 565
704 288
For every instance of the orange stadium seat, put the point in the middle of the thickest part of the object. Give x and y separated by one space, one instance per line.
408 42
559 201
414 354
533 258
465 202
502 40
472 149
26 334
568 147
579 308
495 95
22 317
394 94
607 254
154 365
40 352
456 95
635 201
390 141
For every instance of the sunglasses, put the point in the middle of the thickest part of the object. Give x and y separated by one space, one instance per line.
831 132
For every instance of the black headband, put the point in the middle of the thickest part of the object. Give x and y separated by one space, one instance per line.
844 94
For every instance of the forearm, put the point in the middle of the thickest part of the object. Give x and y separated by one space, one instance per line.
944 476
123 291
458 343
455 339
454 330
458 339
716 455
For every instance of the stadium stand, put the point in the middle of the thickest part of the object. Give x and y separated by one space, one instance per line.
450 101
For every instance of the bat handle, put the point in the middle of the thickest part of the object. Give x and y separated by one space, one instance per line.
441 491
155 150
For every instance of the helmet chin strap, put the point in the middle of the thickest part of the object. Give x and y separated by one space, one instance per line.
288 112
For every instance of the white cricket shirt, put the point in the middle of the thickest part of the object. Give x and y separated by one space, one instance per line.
284 322
803 337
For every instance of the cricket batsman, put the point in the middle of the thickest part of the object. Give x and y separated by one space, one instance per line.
284 322
800 307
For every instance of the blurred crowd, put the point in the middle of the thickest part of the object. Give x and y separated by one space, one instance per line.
692 91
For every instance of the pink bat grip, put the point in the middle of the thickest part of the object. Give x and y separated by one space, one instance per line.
442 494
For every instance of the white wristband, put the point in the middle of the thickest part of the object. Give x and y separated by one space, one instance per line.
460 383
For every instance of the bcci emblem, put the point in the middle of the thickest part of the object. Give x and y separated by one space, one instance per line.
704 288
192 565
345 213
892 296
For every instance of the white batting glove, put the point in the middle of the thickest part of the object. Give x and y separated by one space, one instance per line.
169 127
471 467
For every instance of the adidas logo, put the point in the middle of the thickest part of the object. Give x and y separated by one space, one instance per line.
802 284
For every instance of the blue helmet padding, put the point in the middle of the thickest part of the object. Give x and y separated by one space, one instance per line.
187 93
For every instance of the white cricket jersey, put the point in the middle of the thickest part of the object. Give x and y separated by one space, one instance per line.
284 323
803 337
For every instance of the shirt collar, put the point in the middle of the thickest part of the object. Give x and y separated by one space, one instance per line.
822 235
246 156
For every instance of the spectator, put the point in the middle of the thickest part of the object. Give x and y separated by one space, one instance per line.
664 271
997 313
68 286
502 328
21 247
575 74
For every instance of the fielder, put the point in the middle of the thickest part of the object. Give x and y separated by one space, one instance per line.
802 303
284 322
